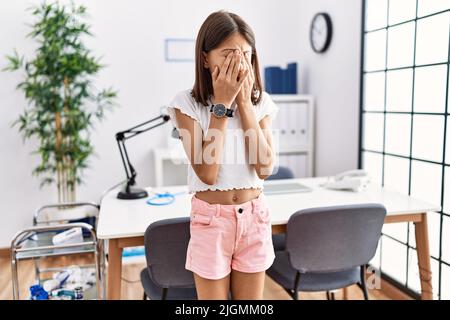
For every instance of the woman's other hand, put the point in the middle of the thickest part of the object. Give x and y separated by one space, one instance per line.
244 95
228 79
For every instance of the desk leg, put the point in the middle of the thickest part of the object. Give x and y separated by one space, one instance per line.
114 270
423 257
345 293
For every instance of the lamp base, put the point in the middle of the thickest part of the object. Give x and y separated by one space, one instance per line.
132 193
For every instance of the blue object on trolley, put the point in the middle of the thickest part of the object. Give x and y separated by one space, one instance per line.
162 199
37 292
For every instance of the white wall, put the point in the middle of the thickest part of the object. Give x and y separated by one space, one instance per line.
130 35
333 79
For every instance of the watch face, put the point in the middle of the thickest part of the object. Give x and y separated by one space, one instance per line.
219 110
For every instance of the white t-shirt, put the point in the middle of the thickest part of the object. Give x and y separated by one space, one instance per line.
235 172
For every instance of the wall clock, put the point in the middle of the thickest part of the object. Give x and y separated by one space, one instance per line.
321 32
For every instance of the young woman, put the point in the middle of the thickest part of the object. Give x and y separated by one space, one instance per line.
225 126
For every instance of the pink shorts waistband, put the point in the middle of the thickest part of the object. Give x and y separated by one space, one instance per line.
227 209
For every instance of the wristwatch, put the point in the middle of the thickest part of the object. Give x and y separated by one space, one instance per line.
220 110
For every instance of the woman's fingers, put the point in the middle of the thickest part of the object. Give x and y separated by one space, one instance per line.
236 68
232 66
241 72
244 65
249 66
215 73
226 63
251 77
246 72
243 77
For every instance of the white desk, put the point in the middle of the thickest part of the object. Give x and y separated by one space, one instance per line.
123 222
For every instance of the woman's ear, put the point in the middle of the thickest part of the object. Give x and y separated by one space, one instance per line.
205 58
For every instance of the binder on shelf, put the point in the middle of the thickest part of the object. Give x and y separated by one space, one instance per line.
281 81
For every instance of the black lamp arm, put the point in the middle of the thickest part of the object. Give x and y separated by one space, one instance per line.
130 133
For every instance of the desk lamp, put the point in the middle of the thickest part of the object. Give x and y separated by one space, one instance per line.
130 192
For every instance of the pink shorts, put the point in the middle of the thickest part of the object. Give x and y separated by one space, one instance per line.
225 237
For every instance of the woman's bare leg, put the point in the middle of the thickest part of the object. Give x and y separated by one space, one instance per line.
247 286
212 289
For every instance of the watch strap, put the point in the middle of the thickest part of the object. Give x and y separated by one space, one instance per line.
229 112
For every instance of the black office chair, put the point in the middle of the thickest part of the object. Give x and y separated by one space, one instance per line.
279 239
281 173
165 277
328 248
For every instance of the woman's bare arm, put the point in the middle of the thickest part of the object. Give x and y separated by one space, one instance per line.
258 135
203 154
258 141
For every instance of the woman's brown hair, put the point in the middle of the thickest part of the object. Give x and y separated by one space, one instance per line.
216 28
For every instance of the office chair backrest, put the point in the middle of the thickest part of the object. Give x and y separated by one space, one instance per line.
335 238
281 173
58 212
166 244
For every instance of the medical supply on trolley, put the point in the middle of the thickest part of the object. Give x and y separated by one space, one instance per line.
37 292
74 235
66 294
69 284
58 280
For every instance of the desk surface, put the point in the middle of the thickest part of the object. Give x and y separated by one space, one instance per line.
130 218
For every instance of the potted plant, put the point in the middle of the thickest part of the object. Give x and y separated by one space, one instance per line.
62 103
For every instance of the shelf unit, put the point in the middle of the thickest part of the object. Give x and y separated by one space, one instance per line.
293 131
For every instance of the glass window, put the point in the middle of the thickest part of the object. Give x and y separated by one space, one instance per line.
445 279
446 239
374 91
396 174
432 39
393 259
447 192
428 135
401 10
429 89
375 58
373 164
406 54
401 46
373 133
398 134
397 231
447 141
427 7
426 181
376 14
399 90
